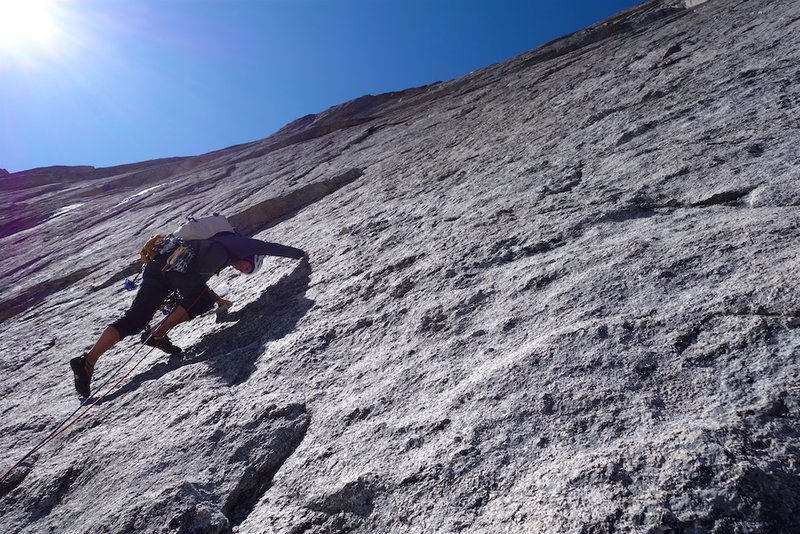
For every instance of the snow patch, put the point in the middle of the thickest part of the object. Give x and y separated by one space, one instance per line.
67 209
139 194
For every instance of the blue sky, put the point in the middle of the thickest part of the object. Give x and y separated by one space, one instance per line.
106 82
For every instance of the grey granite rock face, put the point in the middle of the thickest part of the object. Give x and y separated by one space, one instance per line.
557 295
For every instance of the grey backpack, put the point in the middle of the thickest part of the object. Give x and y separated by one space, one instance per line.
204 227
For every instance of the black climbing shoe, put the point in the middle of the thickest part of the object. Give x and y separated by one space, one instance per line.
160 342
83 371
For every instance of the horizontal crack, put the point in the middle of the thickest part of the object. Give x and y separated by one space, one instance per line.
726 197
257 217
32 296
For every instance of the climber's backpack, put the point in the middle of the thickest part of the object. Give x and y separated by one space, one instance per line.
204 227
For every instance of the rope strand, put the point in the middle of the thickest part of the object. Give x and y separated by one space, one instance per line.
66 423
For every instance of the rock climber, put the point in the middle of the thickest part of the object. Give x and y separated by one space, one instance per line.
194 296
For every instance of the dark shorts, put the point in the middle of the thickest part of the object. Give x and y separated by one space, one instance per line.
193 295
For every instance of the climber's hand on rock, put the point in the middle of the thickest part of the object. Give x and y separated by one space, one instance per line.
223 304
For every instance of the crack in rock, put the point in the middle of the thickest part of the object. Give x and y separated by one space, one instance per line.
34 295
262 459
725 197
260 216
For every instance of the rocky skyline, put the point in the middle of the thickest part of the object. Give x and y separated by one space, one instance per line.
556 295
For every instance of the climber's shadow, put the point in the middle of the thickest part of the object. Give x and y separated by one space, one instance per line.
275 314
231 353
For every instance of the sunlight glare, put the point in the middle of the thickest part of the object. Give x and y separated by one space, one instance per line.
28 26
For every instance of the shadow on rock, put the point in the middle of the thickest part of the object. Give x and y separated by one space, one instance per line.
231 353
275 314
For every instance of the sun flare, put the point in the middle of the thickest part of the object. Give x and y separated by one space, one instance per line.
28 26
